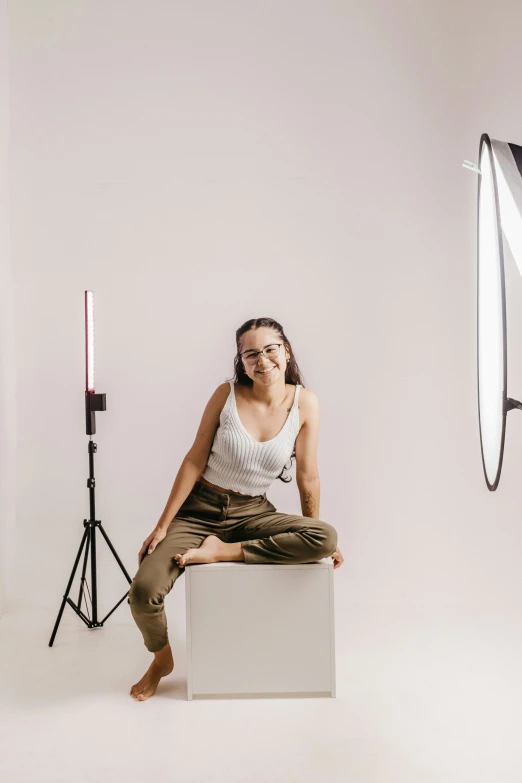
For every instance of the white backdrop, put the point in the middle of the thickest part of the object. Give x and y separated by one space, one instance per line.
197 165
7 337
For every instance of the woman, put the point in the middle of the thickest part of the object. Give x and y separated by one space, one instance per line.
218 509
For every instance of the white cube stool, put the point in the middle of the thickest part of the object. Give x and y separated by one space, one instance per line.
260 630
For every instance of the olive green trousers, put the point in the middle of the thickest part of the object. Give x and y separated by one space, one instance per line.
266 536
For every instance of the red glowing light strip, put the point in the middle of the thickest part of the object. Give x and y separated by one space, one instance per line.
89 339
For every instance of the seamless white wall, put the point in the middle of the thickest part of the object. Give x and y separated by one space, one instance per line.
200 164
7 337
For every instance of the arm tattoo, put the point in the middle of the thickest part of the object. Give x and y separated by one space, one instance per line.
308 503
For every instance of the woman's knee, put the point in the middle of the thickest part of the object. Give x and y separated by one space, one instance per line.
327 543
142 591
138 592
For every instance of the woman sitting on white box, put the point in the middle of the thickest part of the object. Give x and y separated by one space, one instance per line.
218 509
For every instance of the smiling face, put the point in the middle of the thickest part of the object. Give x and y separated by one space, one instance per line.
267 369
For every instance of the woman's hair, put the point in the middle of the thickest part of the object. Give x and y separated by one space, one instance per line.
292 374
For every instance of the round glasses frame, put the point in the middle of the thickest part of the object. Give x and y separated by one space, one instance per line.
252 359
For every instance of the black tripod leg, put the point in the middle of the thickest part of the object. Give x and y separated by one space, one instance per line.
85 534
94 581
84 569
115 553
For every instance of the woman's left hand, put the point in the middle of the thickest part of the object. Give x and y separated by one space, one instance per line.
337 558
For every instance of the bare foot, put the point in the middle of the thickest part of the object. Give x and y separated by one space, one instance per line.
162 665
212 550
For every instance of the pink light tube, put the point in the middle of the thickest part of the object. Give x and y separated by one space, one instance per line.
89 340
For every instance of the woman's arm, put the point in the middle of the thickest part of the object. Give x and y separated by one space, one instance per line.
186 477
196 459
310 493
307 472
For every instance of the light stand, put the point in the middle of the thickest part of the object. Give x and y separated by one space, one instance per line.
499 216
93 402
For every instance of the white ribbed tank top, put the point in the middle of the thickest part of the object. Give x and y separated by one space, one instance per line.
239 462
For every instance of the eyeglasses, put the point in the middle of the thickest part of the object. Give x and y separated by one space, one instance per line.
269 351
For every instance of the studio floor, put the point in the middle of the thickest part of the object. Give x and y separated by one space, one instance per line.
423 696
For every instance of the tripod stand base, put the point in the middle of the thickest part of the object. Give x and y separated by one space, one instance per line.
89 538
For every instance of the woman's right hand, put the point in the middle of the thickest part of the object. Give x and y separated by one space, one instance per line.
151 542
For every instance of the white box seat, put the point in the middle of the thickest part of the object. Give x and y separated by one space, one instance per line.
262 630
